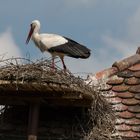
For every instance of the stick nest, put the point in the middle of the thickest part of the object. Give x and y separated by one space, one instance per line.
26 70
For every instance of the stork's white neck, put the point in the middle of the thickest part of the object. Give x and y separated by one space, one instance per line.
36 32
35 36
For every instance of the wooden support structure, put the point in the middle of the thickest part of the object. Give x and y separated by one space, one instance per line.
35 95
33 121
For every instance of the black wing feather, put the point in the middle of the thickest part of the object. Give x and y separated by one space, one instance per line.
72 49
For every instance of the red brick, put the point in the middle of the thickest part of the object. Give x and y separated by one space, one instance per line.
125 95
132 81
123 127
120 88
134 109
135 67
126 115
114 100
130 102
115 80
135 89
119 107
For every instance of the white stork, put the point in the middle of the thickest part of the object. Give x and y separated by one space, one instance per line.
56 45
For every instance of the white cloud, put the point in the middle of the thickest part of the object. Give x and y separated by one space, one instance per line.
8 47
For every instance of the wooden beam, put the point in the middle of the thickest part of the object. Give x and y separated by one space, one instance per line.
33 121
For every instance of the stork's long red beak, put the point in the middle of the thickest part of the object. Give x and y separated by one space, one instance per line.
29 35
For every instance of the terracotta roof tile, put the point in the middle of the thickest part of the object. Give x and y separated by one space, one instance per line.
110 94
115 80
126 115
134 109
106 73
137 74
132 121
138 135
124 79
125 95
128 134
114 100
130 102
123 127
106 88
137 96
126 74
135 89
119 107
135 67
138 115
120 88
127 62
119 121
136 128
138 50
132 81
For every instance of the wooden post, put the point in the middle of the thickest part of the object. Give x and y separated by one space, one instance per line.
33 121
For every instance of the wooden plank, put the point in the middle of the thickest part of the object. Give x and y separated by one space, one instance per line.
33 121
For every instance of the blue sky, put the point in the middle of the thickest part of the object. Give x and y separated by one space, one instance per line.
110 28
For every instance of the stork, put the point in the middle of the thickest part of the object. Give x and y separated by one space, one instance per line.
56 45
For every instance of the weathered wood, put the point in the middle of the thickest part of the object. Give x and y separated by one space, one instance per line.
32 137
18 93
33 121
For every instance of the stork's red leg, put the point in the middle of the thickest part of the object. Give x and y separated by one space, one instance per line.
64 66
53 64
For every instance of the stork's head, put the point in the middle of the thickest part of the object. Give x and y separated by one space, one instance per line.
35 26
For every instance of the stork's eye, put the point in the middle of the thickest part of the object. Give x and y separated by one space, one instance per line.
33 25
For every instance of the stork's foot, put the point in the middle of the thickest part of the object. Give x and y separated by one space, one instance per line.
53 68
66 71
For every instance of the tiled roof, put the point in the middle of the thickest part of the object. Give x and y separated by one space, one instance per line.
123 79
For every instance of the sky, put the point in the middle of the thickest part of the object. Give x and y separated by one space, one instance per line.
109 28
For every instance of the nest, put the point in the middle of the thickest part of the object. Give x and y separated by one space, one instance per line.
101 117
25 70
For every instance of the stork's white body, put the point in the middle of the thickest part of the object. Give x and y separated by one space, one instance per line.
57 45
47 41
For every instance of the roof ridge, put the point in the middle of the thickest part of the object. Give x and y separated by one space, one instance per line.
118 66
128 62
138 50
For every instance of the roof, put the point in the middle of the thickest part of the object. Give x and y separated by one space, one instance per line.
122 86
